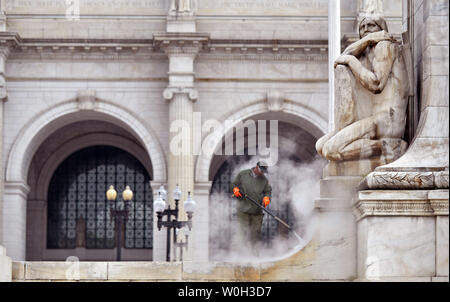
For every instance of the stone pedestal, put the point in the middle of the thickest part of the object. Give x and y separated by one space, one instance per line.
402 235
336 229
5 266
181 24
402 212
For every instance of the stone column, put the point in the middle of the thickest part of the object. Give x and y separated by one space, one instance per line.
180 157
181 49
334 50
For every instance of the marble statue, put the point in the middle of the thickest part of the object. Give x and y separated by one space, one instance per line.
182 7
371 93
370 7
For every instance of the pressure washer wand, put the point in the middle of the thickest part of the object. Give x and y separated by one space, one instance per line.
274 216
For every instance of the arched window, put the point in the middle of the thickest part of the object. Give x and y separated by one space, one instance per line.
78 211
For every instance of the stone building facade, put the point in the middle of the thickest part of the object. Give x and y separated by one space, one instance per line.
120 73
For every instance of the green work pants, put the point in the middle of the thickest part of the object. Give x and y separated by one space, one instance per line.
247 232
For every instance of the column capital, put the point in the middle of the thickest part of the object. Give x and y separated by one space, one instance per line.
7 42
170 92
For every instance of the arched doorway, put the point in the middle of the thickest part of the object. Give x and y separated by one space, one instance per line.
67 211
78 214
297 158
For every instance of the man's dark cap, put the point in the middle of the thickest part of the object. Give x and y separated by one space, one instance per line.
262 166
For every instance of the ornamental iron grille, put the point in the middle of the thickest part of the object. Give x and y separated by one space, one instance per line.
223 208
78 211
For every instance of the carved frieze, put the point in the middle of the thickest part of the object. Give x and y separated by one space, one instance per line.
407 180
392 208
401 203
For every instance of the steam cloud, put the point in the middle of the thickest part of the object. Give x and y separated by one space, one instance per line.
290 181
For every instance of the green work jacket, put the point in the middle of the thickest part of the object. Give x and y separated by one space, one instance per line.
254 186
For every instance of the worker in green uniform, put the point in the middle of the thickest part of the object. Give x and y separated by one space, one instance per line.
253 183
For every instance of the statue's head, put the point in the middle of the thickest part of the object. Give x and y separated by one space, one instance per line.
370 25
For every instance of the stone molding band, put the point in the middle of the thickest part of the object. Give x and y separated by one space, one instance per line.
434 203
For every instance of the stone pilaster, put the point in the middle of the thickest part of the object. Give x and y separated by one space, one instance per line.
181 49
15 200
8 40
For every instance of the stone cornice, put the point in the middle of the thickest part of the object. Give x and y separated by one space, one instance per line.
8 41
392 208
180 43
279 50
401 203
162 45
85 49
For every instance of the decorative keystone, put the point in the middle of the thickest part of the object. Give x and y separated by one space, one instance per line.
86 99
275 100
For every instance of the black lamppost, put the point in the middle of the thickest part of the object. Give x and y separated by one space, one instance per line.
119 214
159 206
